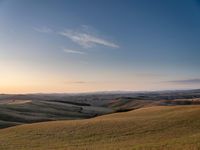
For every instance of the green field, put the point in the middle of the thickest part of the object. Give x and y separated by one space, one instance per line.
152 128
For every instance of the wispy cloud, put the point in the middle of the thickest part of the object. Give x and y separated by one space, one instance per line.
148 74
73 51
76 82
43 29
186 81
87 40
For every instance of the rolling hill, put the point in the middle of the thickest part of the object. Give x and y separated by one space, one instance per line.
15 112
31 108
150 128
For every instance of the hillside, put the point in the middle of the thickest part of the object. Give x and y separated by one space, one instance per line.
32 108
151 128
15 112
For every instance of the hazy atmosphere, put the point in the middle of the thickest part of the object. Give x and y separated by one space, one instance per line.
90 45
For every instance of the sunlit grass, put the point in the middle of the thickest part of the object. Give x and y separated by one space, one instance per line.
153 128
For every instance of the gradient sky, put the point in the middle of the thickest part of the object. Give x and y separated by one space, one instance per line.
99 45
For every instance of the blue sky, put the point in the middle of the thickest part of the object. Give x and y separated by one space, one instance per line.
99 45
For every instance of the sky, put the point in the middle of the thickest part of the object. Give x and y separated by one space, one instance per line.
66 46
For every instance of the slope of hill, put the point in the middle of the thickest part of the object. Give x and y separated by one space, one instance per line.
30 108
151 128
26 111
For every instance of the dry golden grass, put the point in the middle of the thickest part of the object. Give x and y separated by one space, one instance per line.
152 128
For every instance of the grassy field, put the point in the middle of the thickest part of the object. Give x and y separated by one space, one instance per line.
21 112
152 128
18 109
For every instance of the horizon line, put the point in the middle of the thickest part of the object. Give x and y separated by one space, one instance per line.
99 92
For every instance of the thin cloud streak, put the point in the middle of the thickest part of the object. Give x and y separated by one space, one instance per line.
186 81
75 82
73 51
87 40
